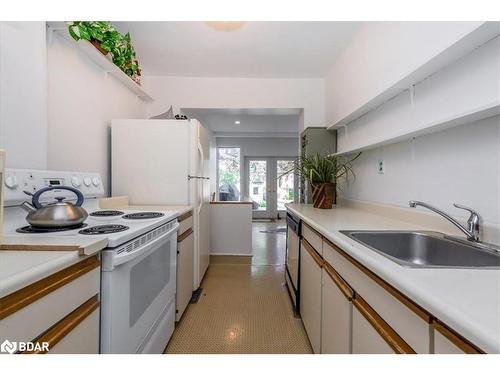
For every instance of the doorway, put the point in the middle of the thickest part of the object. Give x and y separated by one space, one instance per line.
269 186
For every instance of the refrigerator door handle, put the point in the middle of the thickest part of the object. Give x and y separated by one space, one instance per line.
199 177
200 189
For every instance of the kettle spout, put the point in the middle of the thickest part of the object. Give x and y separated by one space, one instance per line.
28 207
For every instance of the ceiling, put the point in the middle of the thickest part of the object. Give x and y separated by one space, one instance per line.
268 122
251 49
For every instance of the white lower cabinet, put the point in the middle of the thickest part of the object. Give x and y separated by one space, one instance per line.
336 315
310 294
185 272
365 339
448 342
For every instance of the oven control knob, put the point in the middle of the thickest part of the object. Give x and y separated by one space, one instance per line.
87 181
11 181
76 181
95 180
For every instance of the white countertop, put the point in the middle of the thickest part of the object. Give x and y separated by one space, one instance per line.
467 300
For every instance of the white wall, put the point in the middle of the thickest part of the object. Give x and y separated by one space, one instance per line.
461 164
189 92
262 146
23 92
380 55
82 100
461 87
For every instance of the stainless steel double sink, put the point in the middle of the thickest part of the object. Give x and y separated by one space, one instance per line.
425 249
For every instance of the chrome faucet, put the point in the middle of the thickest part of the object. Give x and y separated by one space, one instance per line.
473 223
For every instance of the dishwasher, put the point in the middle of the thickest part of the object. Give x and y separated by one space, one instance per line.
292 259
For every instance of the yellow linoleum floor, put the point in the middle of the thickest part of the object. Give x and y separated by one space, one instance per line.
244 308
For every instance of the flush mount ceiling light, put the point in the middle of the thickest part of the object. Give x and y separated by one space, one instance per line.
225 25
237 122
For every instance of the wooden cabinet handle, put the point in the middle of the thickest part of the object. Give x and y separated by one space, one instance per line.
457 340
184 235
384 330
314 254
185 216
339 281
59 330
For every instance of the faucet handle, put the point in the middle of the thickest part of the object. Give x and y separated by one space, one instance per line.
462 207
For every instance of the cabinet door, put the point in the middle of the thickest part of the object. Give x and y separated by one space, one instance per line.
310 294
336 316
185 271
371 334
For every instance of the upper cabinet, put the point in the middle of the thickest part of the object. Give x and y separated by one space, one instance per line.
23 92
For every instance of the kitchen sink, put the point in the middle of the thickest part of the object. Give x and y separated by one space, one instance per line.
424 249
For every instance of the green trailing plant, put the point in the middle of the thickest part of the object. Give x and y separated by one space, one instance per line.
106 38
319 169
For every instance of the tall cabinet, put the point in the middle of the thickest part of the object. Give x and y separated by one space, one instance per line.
313 141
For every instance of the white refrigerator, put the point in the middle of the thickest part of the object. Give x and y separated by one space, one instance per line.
166 162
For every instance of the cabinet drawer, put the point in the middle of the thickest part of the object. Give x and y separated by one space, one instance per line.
313 237
39 306
407 319
310 294
448 342
185 222
336 314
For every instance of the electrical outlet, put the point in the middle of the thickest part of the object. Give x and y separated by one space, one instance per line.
381 166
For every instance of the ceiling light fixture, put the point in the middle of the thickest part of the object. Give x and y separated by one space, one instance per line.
225 25
237 122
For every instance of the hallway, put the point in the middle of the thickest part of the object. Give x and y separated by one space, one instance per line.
244 308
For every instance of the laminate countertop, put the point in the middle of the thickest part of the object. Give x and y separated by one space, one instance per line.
467 300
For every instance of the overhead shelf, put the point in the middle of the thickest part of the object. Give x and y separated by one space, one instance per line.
480 36
476 114
99 59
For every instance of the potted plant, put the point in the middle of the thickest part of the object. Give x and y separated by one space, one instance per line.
322 172
108 41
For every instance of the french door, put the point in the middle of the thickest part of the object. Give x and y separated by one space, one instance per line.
268 186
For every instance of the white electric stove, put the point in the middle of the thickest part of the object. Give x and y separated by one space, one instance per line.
138 264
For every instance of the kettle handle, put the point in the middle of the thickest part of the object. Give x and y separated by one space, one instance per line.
36 196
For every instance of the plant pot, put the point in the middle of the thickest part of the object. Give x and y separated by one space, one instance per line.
324 195
97 44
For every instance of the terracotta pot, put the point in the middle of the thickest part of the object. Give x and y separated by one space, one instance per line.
324 195
97 44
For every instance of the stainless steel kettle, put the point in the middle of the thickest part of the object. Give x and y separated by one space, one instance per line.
58 214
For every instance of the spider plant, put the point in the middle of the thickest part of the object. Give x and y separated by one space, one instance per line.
321 169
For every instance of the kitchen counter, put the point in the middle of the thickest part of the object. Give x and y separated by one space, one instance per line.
467 300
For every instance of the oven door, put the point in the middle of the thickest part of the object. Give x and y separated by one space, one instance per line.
136 293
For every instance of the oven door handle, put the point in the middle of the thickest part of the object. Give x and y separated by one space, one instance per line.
127 257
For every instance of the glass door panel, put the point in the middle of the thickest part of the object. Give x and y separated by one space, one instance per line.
285 183
257 186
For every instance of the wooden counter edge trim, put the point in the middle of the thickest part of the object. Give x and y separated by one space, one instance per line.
59 330
185 216
465 345
388 287
31 293
230 202
184 235
312 230
339 281
314 254
53 247
380 325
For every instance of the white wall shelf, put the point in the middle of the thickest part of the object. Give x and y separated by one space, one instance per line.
475 39
99 59
483 112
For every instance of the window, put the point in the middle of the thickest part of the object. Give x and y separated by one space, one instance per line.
256 190
228 173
